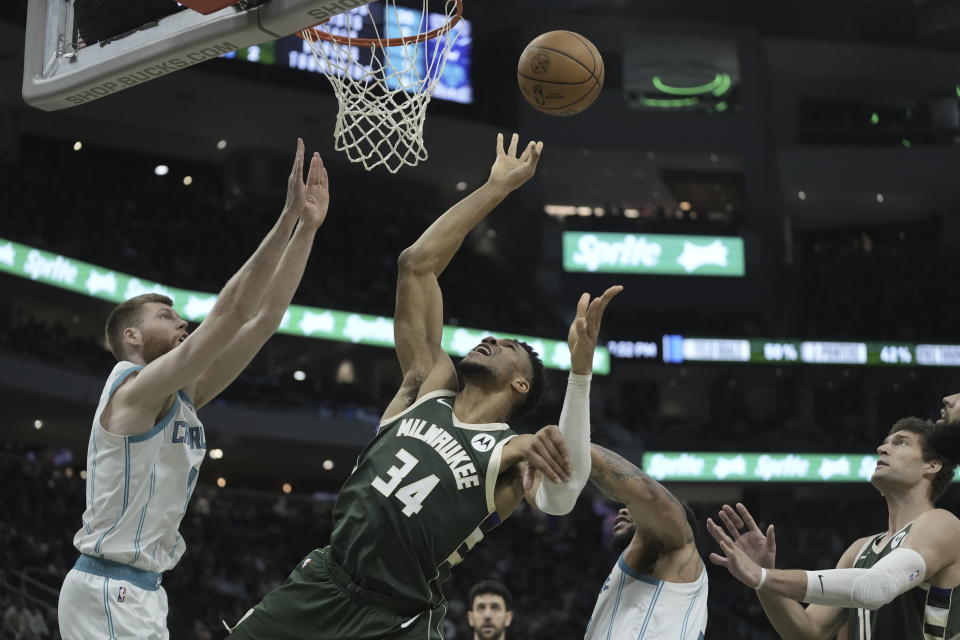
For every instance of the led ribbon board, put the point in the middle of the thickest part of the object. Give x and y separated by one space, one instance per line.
653 254
670 466
309 322
678 348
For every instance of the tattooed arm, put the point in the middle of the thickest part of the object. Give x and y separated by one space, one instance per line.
654 509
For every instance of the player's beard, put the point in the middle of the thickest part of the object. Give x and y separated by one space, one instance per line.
477 373
153 348
620 541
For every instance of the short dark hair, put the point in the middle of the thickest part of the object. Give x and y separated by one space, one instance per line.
533 399
127 314
490 587
938 442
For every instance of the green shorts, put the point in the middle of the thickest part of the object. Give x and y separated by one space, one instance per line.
320 602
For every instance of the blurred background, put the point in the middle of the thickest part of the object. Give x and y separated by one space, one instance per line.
819 141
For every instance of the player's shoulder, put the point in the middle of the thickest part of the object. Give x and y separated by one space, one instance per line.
940 519
849 556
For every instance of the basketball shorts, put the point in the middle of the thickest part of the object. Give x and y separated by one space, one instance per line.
318 601
121 605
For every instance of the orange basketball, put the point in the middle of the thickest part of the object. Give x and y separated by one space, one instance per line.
560 73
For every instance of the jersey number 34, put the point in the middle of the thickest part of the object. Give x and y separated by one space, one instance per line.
411 495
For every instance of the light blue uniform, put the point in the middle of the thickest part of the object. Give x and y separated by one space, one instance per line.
639 607
138 488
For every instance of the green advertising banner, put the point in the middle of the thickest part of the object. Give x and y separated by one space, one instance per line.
759 467
310 322
653 254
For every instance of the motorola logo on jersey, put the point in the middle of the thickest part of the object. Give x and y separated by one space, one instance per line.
483 442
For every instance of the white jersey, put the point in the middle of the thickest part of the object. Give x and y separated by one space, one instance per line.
635 606
138 486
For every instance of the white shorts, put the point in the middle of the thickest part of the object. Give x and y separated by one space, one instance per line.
97 607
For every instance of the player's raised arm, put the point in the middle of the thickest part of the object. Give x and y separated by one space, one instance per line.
651 505
236 304
311 200
559 498
418 319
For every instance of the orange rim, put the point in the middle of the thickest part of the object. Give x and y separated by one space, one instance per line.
312 35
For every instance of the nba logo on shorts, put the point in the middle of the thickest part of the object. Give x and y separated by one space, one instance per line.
482 442
121 594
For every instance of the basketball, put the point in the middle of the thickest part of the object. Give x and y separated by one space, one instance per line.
560 73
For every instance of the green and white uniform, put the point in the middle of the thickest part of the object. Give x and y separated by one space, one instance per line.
420 497
923 613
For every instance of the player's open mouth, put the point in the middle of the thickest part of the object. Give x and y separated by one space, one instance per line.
620 520
482 349
182 338
881 463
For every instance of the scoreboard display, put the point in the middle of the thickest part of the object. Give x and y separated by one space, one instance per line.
453 84
678 348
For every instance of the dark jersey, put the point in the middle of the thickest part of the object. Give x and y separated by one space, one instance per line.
421 496
922 613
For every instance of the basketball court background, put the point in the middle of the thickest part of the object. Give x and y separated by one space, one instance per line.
822 136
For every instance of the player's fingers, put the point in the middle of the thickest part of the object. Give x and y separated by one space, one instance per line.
557 441
771 537
313 175
514 141
544 465
500 151
582 304
747 518
527 153
715 531
552 453
528 476
734 516
324 179
719 560
728 524
296 171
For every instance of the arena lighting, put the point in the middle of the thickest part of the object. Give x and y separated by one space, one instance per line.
802 195
221 482
187 181
102 283
216 454
675 466
461 186
299 375
673 103
720 84
38 424
221 144
287 487
874 119
83 474
161 170
880 198
77 145
327 465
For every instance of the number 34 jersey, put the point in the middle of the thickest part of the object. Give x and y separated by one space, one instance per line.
421 496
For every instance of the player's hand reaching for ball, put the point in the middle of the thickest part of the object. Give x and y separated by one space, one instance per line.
582 337
308 200
510 170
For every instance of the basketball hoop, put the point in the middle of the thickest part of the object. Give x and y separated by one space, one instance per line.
383 84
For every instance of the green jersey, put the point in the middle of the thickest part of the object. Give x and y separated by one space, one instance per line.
420 497
922 613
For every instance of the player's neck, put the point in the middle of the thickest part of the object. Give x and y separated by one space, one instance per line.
478 405
905 506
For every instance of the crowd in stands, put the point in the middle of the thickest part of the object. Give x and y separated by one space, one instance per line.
241 544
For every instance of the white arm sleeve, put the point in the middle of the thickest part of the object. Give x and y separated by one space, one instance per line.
558 498
893 575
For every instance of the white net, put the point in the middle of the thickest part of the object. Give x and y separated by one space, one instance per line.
383 91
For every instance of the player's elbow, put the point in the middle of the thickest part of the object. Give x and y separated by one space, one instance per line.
413 259
873 590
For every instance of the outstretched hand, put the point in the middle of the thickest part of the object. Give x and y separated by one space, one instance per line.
735 559
582 337
510 171
309 200
760 548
